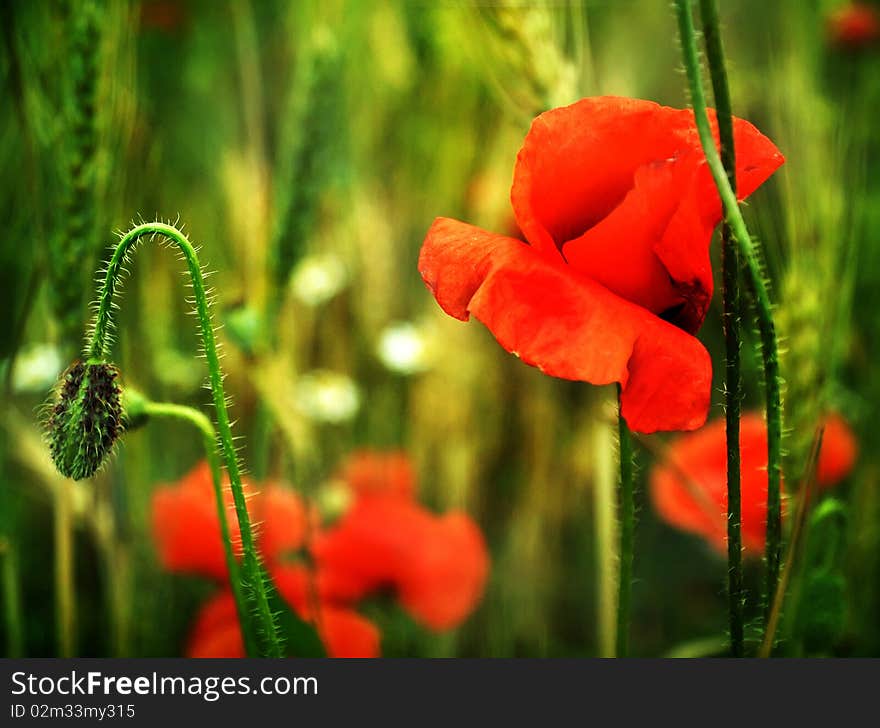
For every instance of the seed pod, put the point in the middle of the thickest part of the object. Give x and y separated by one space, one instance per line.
86 419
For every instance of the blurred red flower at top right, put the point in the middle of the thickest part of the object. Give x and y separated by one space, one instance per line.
689 486
853 26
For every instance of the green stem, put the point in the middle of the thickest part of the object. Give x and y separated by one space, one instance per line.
732 333
627 531
209 437
97 349
758 291
12 612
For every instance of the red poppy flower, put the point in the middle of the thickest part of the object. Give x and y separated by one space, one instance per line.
689 488
187 527
373 473
854 26
437 565
618 206
446 574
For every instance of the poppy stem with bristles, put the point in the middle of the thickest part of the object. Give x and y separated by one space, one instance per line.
252 577
209 437
732 333
627 534
758 290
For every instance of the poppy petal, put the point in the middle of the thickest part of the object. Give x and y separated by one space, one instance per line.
689 488
621 187
345 633
369 548
280 521
380 474
839 451
568 326
186 526
216 632
447 574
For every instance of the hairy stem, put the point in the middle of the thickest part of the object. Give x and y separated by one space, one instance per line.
96 349
758 290
807 489
732 333
627 532
209 438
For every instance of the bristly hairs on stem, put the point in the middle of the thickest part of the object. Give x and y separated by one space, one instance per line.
757 288
97 351
139 410
732 334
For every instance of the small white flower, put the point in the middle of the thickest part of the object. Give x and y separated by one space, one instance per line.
318 278
327 396
403 348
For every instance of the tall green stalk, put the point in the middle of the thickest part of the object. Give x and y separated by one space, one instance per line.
97 352
209 439
732 333
757 289
627 534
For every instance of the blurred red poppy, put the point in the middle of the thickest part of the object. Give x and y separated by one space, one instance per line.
388 473
618 206
689 488
187 528
854 26
343 631
436 564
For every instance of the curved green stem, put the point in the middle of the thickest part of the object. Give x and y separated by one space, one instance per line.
758 291
97 350
209 436
627 533
732 333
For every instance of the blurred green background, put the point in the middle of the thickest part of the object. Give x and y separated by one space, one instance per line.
308 146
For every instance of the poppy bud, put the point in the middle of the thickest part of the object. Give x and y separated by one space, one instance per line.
86 419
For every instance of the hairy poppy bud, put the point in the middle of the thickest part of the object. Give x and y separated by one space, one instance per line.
86 418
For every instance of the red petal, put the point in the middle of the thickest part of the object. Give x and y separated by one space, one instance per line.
621 187
568 326
345 633
279 521
216 632
186 526
839 451
447 573
380 473
689 488
370 547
